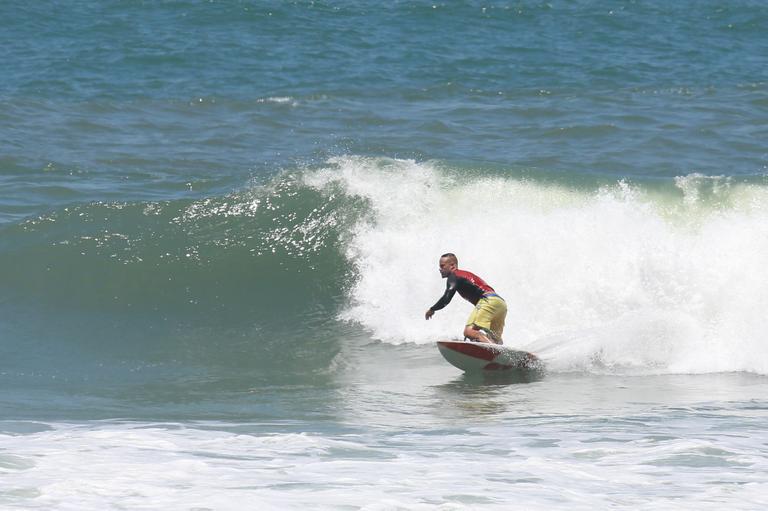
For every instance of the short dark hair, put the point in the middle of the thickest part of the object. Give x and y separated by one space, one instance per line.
451 255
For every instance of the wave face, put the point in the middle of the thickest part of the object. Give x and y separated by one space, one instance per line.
219 284
599 276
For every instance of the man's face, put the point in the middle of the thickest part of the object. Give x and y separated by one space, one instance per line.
446 266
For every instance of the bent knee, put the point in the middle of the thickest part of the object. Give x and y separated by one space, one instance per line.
469 330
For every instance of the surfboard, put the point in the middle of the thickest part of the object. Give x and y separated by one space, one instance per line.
479 356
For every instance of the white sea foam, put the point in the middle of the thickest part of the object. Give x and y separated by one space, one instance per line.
617 278
531 464
279 100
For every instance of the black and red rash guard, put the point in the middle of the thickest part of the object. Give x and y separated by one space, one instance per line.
470 287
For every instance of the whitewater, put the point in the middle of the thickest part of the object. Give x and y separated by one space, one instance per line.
658 279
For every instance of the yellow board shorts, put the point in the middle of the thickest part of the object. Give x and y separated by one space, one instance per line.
489 313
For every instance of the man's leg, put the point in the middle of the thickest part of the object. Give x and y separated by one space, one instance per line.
471 330
486 322
476 334
499 317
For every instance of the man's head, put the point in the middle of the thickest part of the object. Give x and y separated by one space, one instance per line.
448 263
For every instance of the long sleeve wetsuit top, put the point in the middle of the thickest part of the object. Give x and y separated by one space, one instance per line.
470 287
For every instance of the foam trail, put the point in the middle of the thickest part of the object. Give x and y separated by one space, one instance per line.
618 277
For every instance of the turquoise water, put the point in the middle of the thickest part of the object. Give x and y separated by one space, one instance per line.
219 225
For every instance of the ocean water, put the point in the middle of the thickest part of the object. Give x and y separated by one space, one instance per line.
219 231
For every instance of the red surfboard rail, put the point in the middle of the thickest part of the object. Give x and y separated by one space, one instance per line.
475 356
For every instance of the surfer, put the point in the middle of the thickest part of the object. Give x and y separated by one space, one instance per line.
486 322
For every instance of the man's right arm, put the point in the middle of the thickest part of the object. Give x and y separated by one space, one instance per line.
450 290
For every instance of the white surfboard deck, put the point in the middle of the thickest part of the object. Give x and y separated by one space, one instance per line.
479 356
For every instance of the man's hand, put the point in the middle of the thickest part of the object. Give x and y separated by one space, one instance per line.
429 314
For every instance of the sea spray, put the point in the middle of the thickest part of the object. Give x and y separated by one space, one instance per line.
620 277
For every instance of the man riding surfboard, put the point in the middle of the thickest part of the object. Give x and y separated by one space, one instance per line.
486 322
